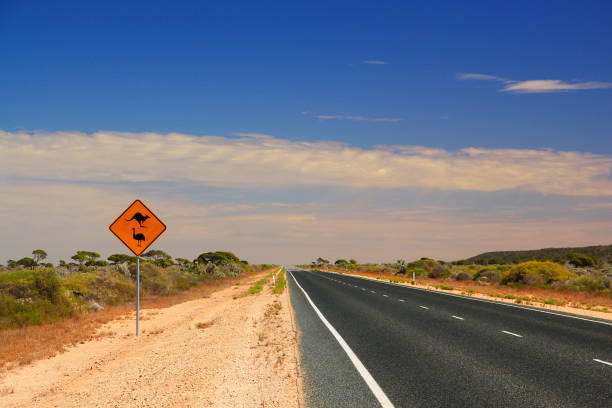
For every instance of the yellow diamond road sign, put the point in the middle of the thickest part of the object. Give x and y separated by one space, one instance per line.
137 227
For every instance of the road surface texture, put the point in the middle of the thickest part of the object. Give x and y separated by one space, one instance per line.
225 350
420 348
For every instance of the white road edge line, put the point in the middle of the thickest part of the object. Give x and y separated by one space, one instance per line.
457 317
479 300
363 371
512 334
602 362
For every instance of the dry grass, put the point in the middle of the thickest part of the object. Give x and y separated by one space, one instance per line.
27 344
6 390
273 309
204 325
583 300
155 331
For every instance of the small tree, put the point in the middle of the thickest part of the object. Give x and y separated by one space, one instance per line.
159 258
341 262
117 259
39 255
85 257
321 261
352 262
217 258
402 266
26 263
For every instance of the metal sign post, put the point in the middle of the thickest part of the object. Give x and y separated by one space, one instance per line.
137 295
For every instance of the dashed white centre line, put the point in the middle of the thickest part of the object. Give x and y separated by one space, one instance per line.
402 300
372 291
424 307
457 317
386 295
512 334
602 362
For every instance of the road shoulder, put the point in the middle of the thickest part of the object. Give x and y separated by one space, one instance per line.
224 350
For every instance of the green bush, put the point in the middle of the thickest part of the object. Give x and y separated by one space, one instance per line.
48 286
18 312
417 271
106 286
581 260
32 297
537 273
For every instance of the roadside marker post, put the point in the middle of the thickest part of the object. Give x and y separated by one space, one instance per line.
137 217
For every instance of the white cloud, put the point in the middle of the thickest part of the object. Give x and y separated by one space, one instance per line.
552 85
479 77
254 159
374 62
356 118
538 85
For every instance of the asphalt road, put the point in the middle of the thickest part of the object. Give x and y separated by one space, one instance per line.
428 349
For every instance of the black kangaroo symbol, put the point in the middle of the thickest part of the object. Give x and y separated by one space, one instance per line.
140 218
138 237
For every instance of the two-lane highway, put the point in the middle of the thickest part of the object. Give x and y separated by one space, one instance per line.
417 348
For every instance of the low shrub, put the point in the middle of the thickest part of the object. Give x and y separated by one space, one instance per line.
438 271
462 276
488 275
537 272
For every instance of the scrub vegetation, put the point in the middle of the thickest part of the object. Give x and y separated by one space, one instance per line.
33 292
565 276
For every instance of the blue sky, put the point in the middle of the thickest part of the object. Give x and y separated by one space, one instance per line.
441 75
224 67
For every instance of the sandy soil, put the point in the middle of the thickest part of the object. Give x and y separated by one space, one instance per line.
210 352
566 309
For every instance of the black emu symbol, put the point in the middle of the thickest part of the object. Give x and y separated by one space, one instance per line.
140 218
138 237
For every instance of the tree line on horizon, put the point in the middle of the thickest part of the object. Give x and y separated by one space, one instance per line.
82 259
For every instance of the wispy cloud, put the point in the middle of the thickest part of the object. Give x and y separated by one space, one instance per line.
538 85
356 118
479 76
374 62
